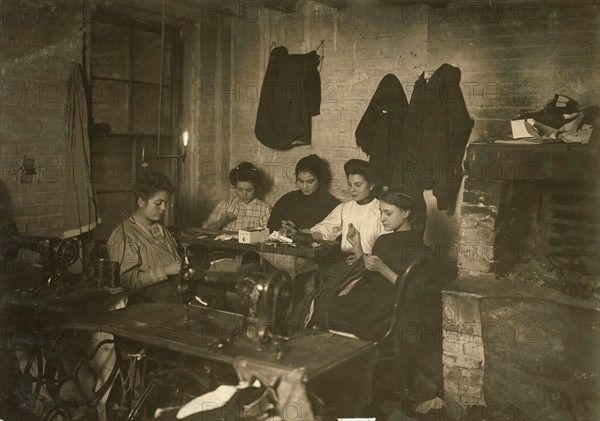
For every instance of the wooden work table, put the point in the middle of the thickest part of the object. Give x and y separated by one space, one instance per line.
337 368
318 250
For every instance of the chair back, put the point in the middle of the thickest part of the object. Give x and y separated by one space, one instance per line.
402 283
420 281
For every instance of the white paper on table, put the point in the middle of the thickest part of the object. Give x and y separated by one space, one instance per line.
225 237
519 129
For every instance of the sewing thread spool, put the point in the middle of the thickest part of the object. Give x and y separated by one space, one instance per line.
106 273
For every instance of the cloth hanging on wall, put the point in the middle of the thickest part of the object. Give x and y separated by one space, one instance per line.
379 133
290 96
80 208
446 126
406 173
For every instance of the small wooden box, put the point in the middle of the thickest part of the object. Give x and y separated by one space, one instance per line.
254 235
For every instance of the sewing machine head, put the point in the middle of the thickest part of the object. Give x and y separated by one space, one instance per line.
56 254
266 297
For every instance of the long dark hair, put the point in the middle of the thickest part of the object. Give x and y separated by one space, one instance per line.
395 196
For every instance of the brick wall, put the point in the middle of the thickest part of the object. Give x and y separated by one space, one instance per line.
479 225
463 358
515 56
38 42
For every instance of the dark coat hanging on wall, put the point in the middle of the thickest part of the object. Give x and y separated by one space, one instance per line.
379 133
289 97
446 130
406 170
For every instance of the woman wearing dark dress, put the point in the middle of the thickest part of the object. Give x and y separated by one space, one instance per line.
301 209
364 308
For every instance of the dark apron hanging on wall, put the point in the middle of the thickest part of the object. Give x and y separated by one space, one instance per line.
290 96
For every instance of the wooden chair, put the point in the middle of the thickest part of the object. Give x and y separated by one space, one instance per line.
422 280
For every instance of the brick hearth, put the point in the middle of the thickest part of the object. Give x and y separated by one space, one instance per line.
510 347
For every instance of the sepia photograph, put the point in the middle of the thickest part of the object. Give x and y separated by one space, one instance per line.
299 210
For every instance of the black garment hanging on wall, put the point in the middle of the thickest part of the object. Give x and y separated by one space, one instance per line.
447 126
379 133
434 138
290 96
406 171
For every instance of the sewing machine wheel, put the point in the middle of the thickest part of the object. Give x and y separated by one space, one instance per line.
275 303
281 295
67 252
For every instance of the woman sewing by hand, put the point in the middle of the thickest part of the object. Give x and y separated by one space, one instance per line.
145 250
362 212
245 210
363 307
373 262
299 210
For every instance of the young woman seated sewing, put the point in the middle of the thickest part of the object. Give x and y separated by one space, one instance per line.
364 306
145 250
301 209
245 210
362 211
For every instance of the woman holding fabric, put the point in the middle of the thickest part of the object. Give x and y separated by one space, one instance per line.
364 307
245 210
301 209
145 250
362 211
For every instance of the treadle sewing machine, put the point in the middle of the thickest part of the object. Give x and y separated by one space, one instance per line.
167 354
40 360
56 254
177 352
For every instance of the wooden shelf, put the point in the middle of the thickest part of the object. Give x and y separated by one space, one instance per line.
518 162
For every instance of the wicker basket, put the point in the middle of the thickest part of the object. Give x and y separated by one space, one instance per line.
294 265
